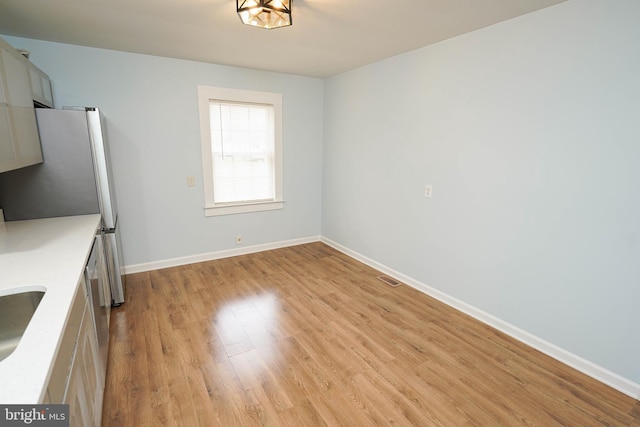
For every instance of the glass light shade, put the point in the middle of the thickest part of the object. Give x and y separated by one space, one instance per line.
265 13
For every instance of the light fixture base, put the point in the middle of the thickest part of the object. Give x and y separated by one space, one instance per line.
266 14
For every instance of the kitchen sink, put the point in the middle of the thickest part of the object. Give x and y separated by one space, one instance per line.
16 310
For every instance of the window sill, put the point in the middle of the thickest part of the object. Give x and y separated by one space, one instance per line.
231 209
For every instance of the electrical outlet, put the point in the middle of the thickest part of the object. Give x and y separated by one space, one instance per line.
239 239
428 191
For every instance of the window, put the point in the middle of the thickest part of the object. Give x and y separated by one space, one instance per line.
241 135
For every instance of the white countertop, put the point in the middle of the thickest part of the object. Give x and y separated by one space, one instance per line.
47 255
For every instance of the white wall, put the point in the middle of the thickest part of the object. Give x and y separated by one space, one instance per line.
529 132
151 108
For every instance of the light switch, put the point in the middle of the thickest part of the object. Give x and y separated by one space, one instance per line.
191 181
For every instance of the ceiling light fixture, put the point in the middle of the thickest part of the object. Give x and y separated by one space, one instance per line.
265 13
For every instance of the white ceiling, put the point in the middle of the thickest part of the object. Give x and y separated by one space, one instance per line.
327 36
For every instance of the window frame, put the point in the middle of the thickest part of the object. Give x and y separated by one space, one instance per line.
207 93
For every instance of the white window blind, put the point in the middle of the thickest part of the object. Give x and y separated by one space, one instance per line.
241 140
242 149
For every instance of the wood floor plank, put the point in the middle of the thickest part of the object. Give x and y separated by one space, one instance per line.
337 408
156 371
303 414
306 336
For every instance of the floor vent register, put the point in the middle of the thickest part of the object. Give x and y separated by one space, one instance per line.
389 281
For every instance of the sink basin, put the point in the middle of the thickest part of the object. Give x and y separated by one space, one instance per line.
16 310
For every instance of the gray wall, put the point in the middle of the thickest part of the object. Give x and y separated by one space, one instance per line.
529 132
151 107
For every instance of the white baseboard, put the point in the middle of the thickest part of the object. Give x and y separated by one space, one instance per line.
210 256
597 372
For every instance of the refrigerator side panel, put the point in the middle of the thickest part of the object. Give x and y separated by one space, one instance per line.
65 183
115 265
102 166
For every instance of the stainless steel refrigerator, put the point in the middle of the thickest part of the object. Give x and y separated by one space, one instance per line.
74 179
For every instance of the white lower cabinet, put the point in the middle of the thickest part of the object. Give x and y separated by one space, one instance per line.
84 391
77 378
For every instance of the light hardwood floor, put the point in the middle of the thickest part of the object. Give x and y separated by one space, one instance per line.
306 336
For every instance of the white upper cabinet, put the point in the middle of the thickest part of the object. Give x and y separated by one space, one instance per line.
40 86
16 72
21 83
6 140
3 98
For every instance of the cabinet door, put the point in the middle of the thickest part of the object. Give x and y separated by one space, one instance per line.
36 83
61 370
26 132
7 153
46 90
92 378
20 141
20 144
79 415
3 97
25 128
84 391
16 72
40 86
